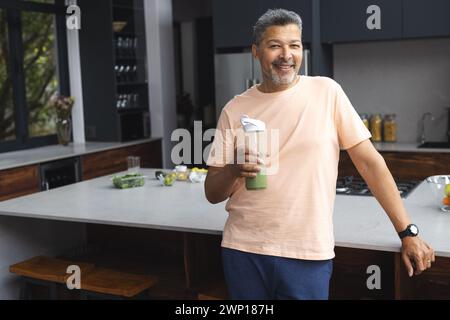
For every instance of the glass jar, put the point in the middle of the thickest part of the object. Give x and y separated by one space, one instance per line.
182 172
365 119
375 127
389 128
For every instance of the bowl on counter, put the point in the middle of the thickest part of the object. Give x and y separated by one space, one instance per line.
440 186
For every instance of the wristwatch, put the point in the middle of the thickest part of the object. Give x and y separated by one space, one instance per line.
410 231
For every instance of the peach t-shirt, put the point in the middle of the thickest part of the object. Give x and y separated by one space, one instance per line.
293 216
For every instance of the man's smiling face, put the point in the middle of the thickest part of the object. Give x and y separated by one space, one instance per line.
280 54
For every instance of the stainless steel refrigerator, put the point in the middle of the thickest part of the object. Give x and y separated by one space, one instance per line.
236 72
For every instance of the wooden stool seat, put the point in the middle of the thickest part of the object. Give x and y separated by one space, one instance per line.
48 269
117 283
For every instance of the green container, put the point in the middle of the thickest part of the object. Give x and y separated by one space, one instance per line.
259 182
129 181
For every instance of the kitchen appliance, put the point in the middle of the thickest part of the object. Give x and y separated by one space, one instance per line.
350 185
59 173
236 72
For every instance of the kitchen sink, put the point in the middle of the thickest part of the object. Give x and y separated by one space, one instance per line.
435 144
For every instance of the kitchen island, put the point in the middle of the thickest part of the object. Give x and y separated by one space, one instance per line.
359 222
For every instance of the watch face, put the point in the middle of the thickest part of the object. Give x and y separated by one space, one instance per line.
414 230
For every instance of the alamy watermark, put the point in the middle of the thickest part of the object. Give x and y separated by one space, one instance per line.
373 22
374 280
229 147
73 19
74 280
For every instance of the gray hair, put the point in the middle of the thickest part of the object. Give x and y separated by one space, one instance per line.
274 17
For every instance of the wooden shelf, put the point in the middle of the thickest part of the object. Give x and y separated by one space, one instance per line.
127 34
124 7
132 110
130 58
131 83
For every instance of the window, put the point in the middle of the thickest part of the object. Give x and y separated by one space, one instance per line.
33 67
7 121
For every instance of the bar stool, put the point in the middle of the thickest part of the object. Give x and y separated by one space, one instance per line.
96 282
46 272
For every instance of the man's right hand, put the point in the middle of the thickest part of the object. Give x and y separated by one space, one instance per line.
220 181
250 166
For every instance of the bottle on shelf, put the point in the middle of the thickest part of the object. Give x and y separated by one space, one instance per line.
126 47
127 101
375 127
389 128
125 73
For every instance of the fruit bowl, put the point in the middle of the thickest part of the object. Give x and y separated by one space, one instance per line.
440 186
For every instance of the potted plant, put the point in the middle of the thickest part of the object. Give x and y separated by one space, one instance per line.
62 106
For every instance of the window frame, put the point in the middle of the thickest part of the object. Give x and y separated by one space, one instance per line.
16 59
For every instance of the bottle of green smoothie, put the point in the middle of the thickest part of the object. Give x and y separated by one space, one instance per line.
255 130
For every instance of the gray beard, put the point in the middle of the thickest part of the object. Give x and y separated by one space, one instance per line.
277 80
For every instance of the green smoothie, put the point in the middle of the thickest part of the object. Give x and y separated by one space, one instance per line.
259 182
255 131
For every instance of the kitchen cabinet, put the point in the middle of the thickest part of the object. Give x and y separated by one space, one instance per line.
233 20
19 182
433 284
351 270
113 67
304 9
403 165
111 161
426 18
348 20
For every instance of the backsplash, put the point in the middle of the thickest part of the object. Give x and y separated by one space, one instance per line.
408 77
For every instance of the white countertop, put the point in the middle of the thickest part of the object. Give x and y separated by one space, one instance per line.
9 160
359 221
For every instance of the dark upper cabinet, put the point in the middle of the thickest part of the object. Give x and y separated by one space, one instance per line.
233 20
429 18
304 9
347 20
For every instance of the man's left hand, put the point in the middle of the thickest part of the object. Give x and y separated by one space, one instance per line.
417 255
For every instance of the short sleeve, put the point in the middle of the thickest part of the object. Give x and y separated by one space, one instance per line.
222 148
350 128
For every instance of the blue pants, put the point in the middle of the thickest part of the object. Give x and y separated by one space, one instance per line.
262 277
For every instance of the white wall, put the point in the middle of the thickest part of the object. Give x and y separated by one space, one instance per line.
161 72
406 77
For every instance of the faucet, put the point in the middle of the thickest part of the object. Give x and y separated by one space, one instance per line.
422 125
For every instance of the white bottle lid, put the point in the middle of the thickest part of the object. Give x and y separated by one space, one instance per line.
252 125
